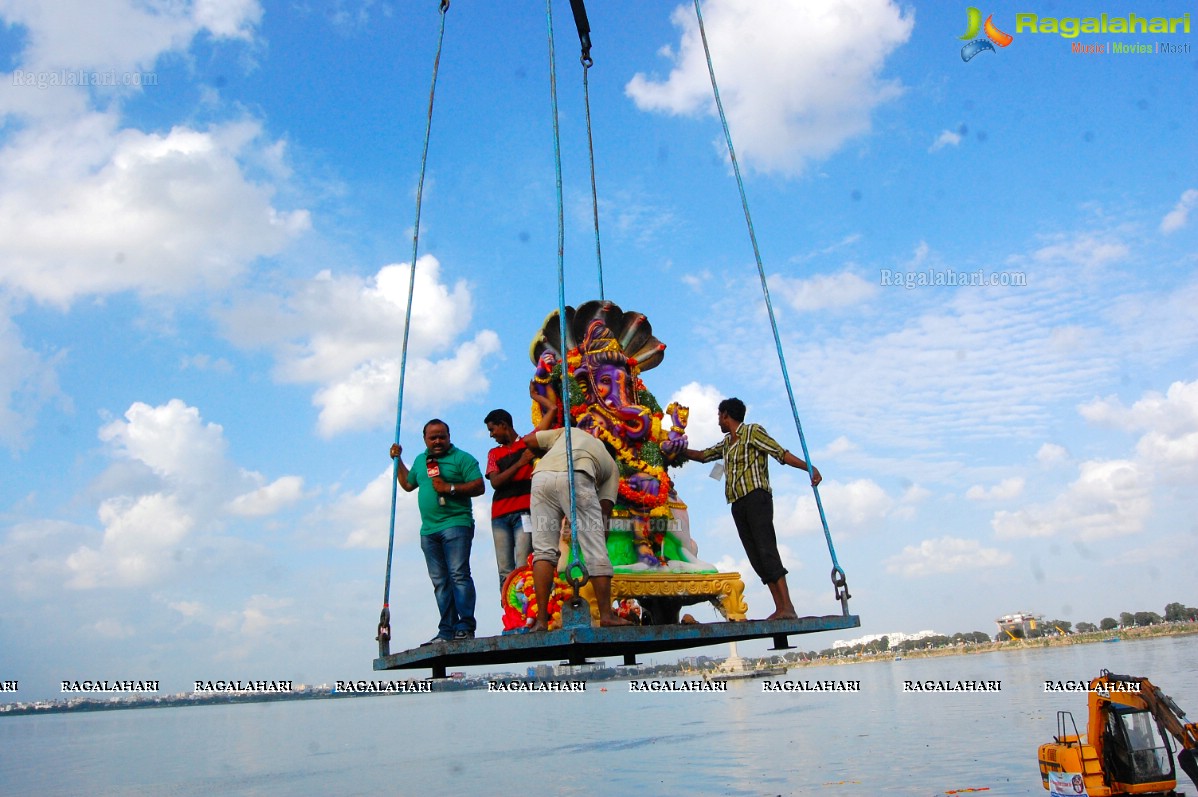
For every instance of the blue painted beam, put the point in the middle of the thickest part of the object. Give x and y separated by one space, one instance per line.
578 644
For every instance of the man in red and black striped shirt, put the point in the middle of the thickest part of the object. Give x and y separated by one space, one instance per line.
509 469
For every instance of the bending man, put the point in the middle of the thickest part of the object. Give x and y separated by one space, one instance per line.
596 479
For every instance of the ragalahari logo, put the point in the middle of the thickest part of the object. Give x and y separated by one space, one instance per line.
993 34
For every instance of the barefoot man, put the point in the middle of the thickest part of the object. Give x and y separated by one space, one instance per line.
596 479
747 487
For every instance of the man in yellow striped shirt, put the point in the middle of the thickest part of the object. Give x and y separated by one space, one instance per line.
744 450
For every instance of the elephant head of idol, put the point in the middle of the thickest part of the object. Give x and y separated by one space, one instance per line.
609 386
607 349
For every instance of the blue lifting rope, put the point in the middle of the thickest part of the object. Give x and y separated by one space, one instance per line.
838 577
384 628
575 561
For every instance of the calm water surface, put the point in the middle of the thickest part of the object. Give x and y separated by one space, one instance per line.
744 742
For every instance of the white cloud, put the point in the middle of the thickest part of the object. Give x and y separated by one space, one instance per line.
112 629
364 514
27 381
1177 218
182 494
1174 413
171 439
628 217
1114 497
919 254
947 138
139 535
926 369
87 208
366 397
1155 326
856 506
1088 249
1051 454
841 445
915 494
823 291
364 519
231 19
261 614
269 499
189 609
1169 422
845 242
696 281
33 555
797 79
345 334
204 362
945 555
121 34
1108 499
703 402
1003 491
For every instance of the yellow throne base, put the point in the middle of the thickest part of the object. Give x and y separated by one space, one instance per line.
725 591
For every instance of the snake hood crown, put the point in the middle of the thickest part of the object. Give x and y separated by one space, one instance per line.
602 332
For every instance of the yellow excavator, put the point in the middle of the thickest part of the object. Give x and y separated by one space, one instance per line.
1126 749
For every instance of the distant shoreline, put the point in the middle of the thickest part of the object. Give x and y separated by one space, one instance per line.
667 671
969 648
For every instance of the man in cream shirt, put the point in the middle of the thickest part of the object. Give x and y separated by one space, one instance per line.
596 479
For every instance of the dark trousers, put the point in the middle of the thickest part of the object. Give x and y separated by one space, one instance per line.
754 518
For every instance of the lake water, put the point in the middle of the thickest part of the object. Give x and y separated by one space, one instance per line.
743 742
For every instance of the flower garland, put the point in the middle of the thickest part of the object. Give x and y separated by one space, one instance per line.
634 464
643 498
648 459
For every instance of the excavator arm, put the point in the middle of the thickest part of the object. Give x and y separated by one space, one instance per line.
1163 707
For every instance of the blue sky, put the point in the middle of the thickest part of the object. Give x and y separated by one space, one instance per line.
203 278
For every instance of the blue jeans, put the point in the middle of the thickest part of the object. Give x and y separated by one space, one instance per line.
512 543
447 555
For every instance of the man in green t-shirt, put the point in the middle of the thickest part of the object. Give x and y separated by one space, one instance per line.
447 478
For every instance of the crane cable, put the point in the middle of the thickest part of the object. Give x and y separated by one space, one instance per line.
838 577
584 39
384 627
576 561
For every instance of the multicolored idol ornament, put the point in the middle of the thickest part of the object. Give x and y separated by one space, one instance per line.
606 354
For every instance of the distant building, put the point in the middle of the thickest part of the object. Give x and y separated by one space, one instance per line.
894 638
1021 625
567 670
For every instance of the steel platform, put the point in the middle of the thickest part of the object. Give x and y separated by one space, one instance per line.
577 644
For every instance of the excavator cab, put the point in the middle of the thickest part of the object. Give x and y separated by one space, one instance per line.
1137 753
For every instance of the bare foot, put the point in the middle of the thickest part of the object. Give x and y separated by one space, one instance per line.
537 628
612 620
781 615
